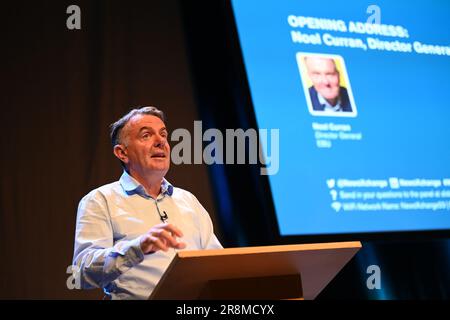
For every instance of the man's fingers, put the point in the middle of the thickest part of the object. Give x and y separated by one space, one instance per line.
162 237
152 244
181 245
172 229
169 239
158 244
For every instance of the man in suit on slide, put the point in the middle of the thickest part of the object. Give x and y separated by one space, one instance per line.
326 93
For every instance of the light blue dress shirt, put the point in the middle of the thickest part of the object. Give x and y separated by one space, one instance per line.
110 221
329 107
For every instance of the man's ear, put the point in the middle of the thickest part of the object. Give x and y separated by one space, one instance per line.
121 153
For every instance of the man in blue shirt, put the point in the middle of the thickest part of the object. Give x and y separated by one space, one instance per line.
128 231
326 93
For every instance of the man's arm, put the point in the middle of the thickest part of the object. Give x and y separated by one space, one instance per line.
98 260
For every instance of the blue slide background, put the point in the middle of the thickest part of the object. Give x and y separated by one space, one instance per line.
403 111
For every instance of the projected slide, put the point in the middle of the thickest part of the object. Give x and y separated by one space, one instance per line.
360 94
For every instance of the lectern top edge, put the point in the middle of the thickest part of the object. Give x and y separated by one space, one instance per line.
268 249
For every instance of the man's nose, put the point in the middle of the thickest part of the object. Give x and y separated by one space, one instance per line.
323 79
160 141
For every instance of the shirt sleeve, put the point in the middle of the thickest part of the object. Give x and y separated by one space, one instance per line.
97 259
207 236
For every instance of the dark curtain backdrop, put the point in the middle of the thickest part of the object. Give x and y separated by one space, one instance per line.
60 91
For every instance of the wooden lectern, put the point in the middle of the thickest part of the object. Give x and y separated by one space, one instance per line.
271 272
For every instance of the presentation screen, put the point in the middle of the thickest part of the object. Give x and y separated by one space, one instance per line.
360 94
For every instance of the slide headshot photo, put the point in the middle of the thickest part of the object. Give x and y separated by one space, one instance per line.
326 85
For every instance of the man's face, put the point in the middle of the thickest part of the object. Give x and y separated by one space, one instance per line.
145 145
324 76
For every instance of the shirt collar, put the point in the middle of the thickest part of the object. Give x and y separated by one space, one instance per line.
166 187
132 186
329 107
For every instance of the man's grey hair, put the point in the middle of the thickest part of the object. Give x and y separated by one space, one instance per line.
306 58
116 127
